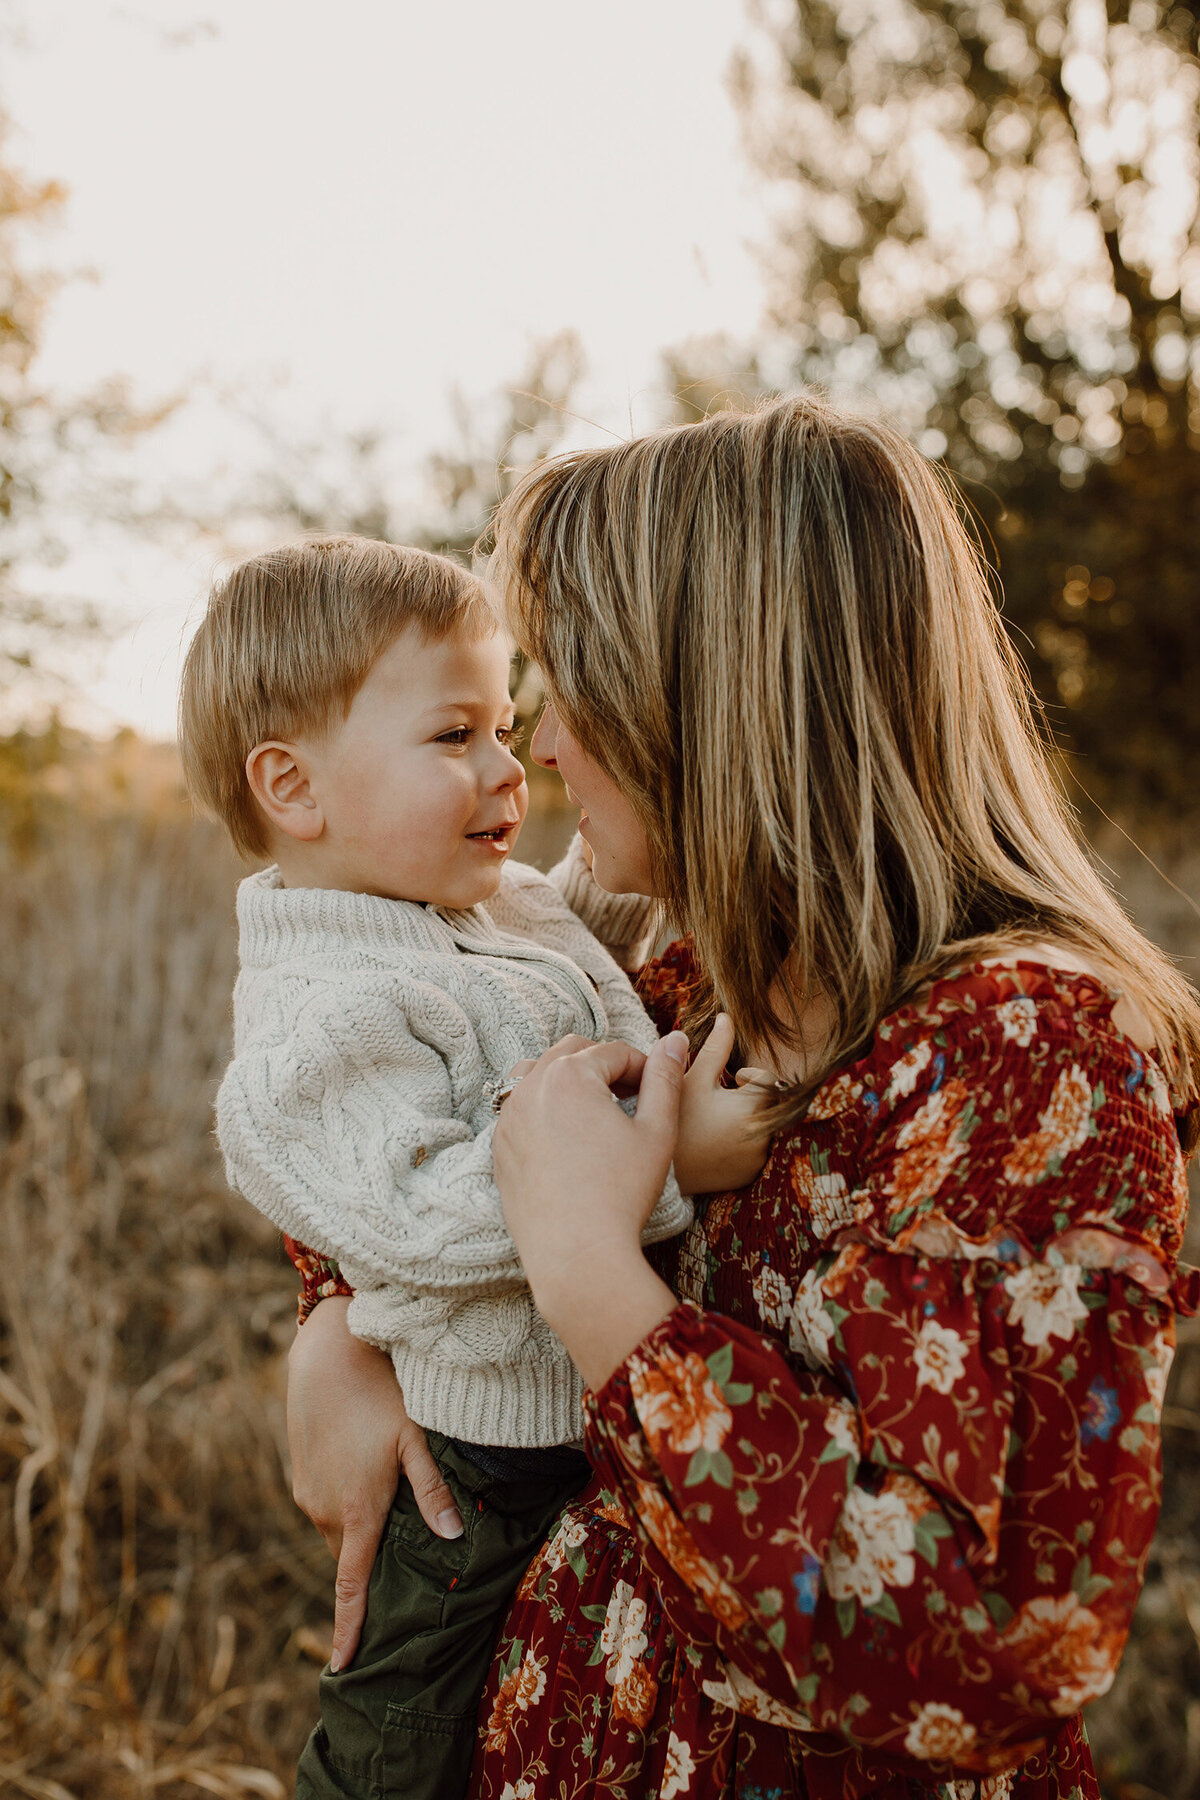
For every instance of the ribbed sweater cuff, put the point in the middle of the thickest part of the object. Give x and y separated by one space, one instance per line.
624 923
527 1406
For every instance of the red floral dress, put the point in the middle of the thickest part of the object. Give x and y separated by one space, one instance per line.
872 1507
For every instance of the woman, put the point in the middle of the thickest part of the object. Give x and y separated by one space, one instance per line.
876 1459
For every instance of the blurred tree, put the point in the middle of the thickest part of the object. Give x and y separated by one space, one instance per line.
49 477
987 217
343 481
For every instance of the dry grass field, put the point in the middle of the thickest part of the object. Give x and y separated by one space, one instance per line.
165 1607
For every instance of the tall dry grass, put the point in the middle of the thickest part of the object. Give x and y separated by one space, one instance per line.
161 1589
165 1607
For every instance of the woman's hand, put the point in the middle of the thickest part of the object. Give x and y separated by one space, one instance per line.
722 1140
579 1179
351 1441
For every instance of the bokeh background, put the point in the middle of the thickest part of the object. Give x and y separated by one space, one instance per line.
270 269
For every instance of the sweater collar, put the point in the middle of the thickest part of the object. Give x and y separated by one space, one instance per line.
276 922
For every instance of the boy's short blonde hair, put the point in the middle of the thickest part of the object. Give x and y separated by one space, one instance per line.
288 639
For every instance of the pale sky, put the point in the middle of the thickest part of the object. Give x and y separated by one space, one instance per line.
377 201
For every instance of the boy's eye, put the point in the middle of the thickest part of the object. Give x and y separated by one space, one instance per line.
457 735
511 735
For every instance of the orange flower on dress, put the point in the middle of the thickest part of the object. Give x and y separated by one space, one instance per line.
677 1399
1062 1128
612 1510
522 1688
634 1697
675 1543
836 1096
1064 1646
503 1708
929 1146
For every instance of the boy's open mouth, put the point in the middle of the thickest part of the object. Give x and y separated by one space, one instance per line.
496 835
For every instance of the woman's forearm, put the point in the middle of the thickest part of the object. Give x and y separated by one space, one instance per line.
602 1307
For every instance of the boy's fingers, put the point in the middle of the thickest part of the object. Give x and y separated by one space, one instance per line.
708 1064
356 1559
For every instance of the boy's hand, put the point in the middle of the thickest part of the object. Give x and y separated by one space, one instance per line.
722 1141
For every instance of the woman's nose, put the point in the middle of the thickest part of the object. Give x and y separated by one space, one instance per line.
543 743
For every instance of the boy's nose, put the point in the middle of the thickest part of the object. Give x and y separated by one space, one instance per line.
510 773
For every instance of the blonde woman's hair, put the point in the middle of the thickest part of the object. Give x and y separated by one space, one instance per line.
773 630
288 639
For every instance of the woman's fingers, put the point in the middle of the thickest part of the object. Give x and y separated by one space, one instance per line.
618 1064
568 1046
362 1529
435 1502
662 1087
361 1534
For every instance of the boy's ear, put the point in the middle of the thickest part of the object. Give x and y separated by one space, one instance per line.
280 781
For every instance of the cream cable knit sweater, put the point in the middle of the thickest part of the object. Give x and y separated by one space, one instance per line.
354 1115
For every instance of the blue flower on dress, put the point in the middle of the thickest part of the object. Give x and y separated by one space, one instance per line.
1100 1412
807 1583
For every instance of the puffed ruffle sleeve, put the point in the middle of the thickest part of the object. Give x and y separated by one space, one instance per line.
320 1277
916 1523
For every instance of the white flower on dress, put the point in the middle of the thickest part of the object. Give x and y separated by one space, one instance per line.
939 1733
569 1536
1155 1375
623 1639
841 1422
677 1776
981 1787
1019 1019
823 1198
996 1787
742 1695
907 1072
1157 1091
1046 1301
811 1326
772 1296
940 1356
521 1790
873 1545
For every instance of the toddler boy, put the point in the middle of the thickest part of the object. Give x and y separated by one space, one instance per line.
345 710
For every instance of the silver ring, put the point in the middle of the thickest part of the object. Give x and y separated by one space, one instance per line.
498 1091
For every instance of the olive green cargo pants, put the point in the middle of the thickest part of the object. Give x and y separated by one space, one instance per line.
399 1722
